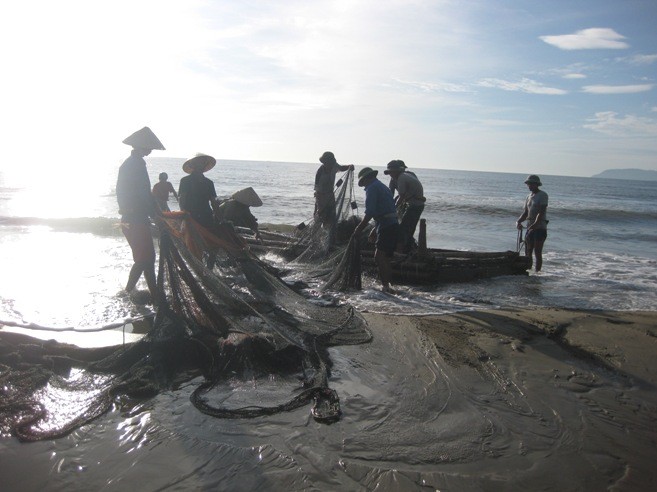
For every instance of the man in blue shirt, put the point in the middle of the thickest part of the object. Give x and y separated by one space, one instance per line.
380 206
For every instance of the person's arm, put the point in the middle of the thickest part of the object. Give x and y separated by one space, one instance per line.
173 190
346 167
363 223
520 220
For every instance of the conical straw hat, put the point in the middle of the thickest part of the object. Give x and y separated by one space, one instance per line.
144 139
247 196
206 162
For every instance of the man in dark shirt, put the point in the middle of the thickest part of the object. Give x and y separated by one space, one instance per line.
137 206
324 184
197 194
380 206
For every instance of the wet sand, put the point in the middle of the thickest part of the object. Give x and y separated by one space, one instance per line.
580 387
535 399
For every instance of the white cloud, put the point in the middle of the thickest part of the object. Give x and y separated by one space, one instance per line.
617 89
587 39
574 76
433 86
643 59
609 123
525 85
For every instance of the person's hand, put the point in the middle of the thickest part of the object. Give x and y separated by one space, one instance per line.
351 167
519 225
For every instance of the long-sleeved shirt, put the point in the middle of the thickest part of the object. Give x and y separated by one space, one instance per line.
133 191
380 205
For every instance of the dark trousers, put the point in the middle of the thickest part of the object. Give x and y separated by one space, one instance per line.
408 225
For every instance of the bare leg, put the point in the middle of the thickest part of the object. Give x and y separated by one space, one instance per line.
149 275
538 252
385 272
529 251
135 272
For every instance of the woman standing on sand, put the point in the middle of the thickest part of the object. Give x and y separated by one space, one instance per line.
535 212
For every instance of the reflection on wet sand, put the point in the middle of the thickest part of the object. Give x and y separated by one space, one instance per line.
484 400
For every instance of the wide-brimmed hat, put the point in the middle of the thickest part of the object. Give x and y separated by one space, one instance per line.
395 165
248 197
327 157
533 179
206 162
144 139
365 173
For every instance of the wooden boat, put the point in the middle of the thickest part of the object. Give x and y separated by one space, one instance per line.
426 266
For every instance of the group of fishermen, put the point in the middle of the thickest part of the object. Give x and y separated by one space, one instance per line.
395 216
395 208
196 195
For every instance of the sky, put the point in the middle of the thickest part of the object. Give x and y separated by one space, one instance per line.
561 87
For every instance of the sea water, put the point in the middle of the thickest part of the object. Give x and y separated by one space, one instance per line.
65 261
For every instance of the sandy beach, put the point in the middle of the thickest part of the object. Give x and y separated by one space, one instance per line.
511 399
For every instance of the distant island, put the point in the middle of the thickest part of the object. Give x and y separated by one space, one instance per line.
636 174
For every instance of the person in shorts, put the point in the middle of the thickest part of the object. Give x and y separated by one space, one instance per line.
137 206
535 212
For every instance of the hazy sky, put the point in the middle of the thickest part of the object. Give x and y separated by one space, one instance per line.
548 87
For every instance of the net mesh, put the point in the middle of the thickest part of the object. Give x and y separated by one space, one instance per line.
325 249
238 320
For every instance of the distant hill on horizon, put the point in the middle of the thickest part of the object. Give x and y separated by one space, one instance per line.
636 174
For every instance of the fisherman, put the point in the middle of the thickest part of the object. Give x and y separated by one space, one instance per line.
535 213
393 182
324 184
237 210
410 202
136 207
197 194
161 191
380 206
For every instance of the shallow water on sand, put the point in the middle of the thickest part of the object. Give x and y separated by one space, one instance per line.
519 408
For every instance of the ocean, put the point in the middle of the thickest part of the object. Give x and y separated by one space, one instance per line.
65 261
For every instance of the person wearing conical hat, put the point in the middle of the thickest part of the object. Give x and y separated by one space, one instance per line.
535 212
137 206
324 184
380 206
197 194
237 210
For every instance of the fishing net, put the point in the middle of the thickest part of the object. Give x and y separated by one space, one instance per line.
237 322
323 248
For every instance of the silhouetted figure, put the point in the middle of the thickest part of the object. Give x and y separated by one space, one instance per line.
161 191
410 202
136 206
237 210
197 194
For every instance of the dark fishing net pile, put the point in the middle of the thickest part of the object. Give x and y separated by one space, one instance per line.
325 249
237 321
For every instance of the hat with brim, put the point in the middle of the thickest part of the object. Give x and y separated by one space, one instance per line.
144 139
533 179
365 173
205 162
327 157
396 165
248 197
